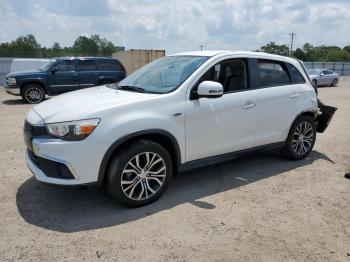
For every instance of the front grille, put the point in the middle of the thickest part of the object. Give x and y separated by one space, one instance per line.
34 131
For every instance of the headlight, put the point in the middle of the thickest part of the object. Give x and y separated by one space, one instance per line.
74 130
11 81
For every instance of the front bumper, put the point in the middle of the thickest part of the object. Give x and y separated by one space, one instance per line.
13 90
59 162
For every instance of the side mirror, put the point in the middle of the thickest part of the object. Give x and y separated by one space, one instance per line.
54 69
210 89
321 74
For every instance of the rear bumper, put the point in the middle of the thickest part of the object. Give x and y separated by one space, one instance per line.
325 116
13 90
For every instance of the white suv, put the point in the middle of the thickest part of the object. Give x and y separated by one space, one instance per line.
178 112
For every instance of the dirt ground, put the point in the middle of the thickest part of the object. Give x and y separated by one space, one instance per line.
257 208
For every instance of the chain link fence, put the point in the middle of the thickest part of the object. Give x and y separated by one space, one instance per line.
341 68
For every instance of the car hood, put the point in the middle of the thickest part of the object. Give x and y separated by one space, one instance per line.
86 103
26 73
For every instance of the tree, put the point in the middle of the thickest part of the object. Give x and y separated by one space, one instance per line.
273 48
106 48
347 48
56 50
299 54
25 46
85 46
337 55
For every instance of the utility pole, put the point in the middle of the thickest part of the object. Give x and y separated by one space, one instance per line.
291 43
201 46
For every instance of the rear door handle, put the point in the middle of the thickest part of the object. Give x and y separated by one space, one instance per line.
248 105
294 95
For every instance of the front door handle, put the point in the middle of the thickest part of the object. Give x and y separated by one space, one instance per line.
248 105
294 95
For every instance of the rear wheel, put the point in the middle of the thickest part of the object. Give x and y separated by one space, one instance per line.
33 94
301 138
139 173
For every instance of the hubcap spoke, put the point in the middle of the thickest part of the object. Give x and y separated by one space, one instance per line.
143 176
33 95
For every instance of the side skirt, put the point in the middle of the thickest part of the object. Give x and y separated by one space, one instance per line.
194 164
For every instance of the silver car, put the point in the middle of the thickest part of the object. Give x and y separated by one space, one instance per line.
322 77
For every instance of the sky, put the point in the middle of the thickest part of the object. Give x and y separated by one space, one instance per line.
179 25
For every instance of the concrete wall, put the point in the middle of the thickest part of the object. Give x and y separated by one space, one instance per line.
133 59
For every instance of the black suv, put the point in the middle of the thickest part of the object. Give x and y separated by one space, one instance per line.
64 74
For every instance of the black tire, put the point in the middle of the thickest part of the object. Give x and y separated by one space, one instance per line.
33 94
334 82
314 82
295 143
120 163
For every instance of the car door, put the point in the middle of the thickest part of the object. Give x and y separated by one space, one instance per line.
88 73
329 76
323 79
277 97
216 126
63 77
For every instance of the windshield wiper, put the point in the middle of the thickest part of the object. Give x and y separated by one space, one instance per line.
132 88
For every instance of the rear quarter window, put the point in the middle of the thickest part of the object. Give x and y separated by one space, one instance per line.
272 73
110 65
87 65
297 77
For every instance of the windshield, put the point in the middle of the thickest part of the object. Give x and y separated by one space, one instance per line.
162 75
314 71
47 65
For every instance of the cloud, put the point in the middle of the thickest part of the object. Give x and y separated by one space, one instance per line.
179 25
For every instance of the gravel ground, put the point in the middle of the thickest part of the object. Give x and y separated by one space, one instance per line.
257 208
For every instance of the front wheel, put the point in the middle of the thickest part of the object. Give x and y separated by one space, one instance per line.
334 82
301 138
139 173
314 82
33 94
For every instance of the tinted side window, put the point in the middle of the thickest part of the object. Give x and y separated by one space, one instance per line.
110 65
232 74
272 73
297 78
87 65
65 65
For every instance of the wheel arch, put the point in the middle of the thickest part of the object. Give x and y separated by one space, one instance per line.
303 113
36 82
160 136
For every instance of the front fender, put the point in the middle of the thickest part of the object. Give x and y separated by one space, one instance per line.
37 80
107 156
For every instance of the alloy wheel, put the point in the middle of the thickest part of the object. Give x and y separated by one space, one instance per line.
143 176
303 138
33 95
